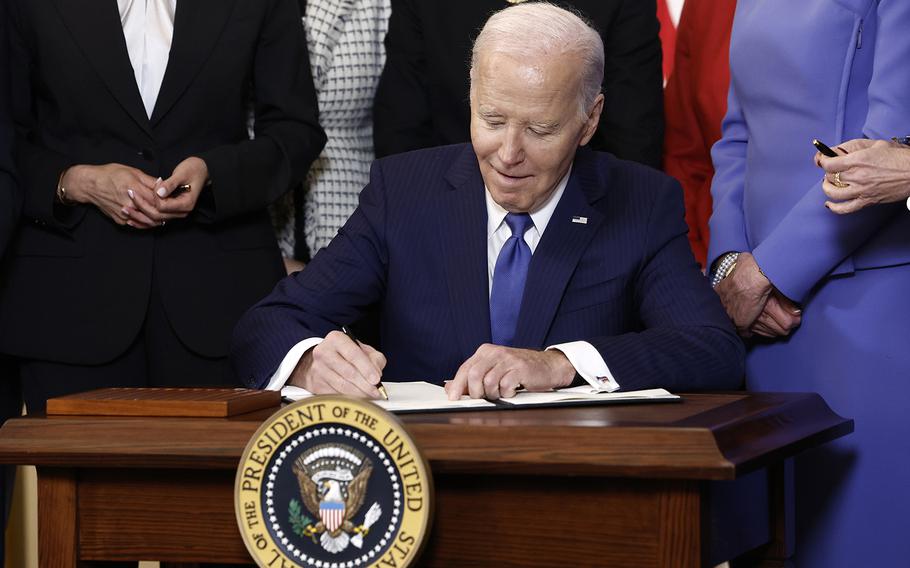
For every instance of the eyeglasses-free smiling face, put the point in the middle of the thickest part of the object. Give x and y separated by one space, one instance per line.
526 125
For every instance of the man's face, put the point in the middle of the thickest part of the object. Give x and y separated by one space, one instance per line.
525 125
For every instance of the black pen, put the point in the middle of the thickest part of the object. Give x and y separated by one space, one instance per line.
183 188
825 150
379 386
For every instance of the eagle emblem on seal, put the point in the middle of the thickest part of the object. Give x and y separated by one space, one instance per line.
333 481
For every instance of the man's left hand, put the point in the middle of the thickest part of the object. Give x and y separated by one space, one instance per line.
494 372
779 318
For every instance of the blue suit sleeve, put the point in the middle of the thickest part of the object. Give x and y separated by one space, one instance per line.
687 342
335 289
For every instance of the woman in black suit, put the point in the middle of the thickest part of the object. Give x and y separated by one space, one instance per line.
10 201
144 234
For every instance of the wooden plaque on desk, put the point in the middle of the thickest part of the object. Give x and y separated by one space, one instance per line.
190 402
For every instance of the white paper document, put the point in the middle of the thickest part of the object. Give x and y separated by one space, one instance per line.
420 396
587 393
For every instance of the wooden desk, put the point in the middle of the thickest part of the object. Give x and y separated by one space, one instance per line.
596 486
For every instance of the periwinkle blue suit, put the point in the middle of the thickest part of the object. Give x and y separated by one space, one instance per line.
833 70
621 277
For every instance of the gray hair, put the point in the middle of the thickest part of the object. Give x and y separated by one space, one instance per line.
537 29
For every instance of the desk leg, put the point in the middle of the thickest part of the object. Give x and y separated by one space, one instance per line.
681 524
778 550
776 553
58 531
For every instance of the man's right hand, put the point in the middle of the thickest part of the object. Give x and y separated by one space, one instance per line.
744 293
340 365
107 187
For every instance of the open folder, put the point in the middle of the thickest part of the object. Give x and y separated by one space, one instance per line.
420 396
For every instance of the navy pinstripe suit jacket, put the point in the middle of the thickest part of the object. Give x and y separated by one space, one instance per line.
625 281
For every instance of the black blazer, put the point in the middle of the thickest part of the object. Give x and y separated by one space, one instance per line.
79 284
423 94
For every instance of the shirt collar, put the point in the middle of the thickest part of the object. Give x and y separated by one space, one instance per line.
496 213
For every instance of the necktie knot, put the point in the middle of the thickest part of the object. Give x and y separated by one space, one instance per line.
519 223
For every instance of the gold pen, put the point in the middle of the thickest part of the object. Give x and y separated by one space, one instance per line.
345 330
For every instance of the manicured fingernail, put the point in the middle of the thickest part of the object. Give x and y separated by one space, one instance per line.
157 181
130 223
131 194
125 211
161 192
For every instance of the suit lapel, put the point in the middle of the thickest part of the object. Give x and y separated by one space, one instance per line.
95 26
197 27
559 251
463 220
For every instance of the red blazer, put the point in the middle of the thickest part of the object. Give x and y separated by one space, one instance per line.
695 102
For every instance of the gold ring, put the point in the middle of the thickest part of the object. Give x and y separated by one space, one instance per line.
837 181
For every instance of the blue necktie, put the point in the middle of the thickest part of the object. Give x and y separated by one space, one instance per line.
509 280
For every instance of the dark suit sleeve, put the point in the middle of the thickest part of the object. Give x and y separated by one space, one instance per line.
38 168
9 191
632 123
337 287
687 342
401 109
287 133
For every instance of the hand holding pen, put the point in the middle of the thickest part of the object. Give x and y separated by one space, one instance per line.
341 365
379 386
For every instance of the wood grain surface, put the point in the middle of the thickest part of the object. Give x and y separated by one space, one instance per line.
619 486
707 436
173 401
57 518
145 515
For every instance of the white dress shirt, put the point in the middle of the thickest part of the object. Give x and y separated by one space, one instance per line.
148 28
588 362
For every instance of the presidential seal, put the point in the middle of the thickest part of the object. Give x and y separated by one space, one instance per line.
332 482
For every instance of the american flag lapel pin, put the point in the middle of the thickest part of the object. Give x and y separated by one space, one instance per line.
580 220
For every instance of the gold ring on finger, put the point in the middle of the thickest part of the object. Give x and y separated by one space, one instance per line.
837 181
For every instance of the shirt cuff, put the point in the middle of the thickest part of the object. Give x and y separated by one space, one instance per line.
588 364
289 363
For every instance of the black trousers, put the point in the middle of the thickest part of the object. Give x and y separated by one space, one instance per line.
156 358
10 406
